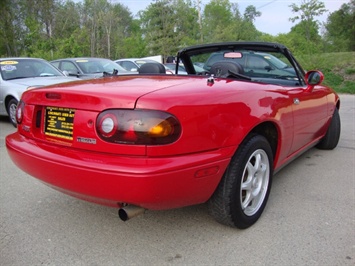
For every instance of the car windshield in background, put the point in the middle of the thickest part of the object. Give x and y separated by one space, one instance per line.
133 64
27 68
198 68
274 61
91 66
254 64
172 67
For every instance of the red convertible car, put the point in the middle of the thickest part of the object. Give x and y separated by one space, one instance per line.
156 141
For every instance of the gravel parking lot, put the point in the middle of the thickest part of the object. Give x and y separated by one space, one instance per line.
309 220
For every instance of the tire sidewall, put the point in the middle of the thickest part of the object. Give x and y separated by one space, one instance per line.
235 174
331 138
12 102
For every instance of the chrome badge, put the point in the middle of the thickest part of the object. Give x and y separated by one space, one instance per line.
86 140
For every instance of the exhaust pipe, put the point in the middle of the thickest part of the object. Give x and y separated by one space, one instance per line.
129 212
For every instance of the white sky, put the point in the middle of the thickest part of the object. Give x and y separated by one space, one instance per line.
275 13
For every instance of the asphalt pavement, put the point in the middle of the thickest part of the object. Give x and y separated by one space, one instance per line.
309 220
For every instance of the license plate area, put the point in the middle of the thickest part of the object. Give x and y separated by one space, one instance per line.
59 122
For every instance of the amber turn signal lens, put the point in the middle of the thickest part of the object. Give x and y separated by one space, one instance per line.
147 127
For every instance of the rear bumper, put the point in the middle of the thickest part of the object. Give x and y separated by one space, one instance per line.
152 183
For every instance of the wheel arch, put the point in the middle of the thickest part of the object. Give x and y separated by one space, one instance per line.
270 132
337 105
7 100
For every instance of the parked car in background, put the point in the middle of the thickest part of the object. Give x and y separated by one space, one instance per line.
182 70
88 67
19 74
255 64
172 66
133 64
156 141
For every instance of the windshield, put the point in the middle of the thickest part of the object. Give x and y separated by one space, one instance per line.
27 68
253 64
93 66
274 61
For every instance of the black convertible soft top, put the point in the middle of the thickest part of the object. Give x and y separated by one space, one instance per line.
184 54
213 47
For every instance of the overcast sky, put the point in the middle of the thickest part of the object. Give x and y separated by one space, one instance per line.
275 13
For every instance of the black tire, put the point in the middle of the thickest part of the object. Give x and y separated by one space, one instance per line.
251 165
331 138
11 111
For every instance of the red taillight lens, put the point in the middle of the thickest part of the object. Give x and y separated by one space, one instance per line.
146 127
19 112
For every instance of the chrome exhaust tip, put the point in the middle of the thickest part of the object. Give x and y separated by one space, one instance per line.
129 212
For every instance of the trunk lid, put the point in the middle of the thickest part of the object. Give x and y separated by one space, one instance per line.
65 114
100 94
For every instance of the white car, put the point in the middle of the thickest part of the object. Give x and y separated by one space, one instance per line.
20 74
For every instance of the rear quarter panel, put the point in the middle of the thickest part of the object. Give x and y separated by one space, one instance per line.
220 114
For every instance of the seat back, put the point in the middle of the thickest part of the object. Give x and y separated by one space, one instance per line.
152 68
222 68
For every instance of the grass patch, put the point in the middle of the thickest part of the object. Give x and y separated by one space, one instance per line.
338 69
350 71
346 87
332 79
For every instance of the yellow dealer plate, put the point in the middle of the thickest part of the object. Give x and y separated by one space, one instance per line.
59 122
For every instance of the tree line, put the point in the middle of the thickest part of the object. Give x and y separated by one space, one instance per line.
52 29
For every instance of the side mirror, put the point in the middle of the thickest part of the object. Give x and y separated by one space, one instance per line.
66 73
269 68
73 73
313 78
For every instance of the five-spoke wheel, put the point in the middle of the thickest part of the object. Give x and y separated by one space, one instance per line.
241 195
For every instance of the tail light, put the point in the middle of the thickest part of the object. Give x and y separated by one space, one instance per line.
145 127
19 112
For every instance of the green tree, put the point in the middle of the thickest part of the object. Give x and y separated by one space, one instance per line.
102 28
304 44
307 11
186 26
247 29
217 21
250 13
10 28
69 36
38 17
158 27
126 33
169 24
222 21
340 28
108 25
134 45
66 19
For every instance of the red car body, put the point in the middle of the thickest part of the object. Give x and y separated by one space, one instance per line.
214 115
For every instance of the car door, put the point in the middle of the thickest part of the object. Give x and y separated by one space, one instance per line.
129 66
70 68
2 96
256 66
309 114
